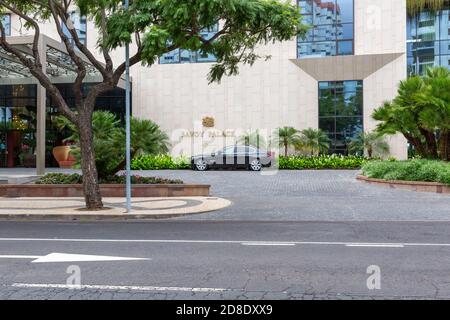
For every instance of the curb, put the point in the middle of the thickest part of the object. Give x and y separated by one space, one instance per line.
417 186
92 217
58 212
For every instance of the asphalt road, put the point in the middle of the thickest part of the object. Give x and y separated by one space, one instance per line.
226 259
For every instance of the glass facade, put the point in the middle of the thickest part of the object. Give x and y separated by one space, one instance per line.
341 112
6 22
17 125
187 56
80 25
18 122
332 28
428 41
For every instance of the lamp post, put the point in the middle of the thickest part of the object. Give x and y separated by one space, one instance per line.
128 122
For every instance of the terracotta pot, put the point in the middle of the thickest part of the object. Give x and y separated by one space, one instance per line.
61 153
71 158
68 164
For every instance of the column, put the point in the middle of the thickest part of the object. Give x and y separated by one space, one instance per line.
41 101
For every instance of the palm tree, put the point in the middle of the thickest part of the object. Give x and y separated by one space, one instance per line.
371 142
252 138
434 101
109 140
415 6
403 115
287 137
146 138
315 140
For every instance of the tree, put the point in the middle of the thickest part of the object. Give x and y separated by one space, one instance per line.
288 137
154 28
402 115
146 138
253 138
415 6
371 142
421 112
315 141
434 101
109 137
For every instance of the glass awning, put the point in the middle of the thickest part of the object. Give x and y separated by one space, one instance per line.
59 66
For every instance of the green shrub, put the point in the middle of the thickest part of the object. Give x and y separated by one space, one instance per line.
166 162
321 162
161 162
61 178
411 170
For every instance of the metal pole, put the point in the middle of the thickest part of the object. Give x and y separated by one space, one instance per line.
128 124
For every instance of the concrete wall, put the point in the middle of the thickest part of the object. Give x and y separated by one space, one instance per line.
381 29
272 93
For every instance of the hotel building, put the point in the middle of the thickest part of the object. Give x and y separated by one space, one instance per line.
351 61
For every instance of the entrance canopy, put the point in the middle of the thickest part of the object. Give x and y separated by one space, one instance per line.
59 66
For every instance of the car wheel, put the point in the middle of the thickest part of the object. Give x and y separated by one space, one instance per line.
255 165
201 165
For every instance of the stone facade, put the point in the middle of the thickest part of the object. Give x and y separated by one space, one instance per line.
282 91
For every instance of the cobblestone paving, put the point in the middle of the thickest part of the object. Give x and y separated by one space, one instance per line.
71 294
311 196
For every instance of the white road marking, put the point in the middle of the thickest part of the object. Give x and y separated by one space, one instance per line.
107 287
375 245
267 244
18 257
325 243
68 257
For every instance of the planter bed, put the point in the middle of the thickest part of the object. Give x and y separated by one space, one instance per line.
418 186
107 190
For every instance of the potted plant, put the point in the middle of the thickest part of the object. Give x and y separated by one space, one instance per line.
62 153
70 160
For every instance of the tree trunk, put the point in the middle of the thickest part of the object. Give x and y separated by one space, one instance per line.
285 150
417 144
431 144
444 143
91 187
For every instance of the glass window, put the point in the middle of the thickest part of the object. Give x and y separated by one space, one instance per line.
228 150
341 112
186 56
331 28
6 22
80 24
241 150
428 40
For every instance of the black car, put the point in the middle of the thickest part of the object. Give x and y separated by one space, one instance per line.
234 157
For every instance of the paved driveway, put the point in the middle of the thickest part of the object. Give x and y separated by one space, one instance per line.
311 196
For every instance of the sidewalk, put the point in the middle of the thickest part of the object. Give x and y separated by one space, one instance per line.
142 208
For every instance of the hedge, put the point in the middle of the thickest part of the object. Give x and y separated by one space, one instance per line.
166 162
411 170
321 162
161 162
